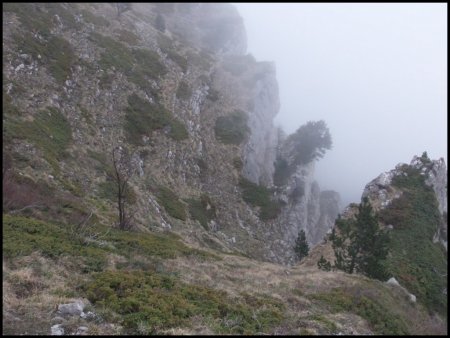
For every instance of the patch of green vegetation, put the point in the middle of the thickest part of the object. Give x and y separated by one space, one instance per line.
148 63
40 17
50 132
8 107
202 209
282 172
167 245
184 92
136 64
169 200
177 130
74 187
127 36
365 304
143 117
166 46
22 236
163 302
56 54
94 19
178 59
213 95
260 196
232 128
201 60
103 164
330 326
109 191
115 54
414 260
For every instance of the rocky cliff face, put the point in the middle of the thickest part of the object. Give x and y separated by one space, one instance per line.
171 83
381 192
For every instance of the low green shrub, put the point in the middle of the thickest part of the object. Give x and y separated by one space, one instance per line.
367 305
169 200
232 128
147 62
260 196
202 209
56 54
143 117
115 54
184 92
22 236
167 47
39 17
282 172
163 302
50 132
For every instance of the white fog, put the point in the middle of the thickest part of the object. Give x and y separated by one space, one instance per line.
376 73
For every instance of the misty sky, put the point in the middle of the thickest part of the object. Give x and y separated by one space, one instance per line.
376 73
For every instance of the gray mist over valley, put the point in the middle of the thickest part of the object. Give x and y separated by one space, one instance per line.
376 73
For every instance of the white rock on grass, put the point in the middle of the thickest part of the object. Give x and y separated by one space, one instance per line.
71 309
57 330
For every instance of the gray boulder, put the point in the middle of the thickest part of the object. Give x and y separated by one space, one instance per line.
71 309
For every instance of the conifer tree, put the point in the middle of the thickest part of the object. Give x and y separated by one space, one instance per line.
361 245
301 245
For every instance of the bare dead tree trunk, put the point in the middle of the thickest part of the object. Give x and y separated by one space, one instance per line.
122 172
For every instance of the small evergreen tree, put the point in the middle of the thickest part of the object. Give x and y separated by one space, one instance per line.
361 245
301 245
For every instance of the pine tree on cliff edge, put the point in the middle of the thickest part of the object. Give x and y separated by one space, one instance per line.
361 245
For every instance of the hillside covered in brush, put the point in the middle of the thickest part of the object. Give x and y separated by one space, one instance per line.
146 189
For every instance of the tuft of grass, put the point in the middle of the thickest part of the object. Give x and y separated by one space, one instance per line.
169 200
260 196
143 117
202 209
232 128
